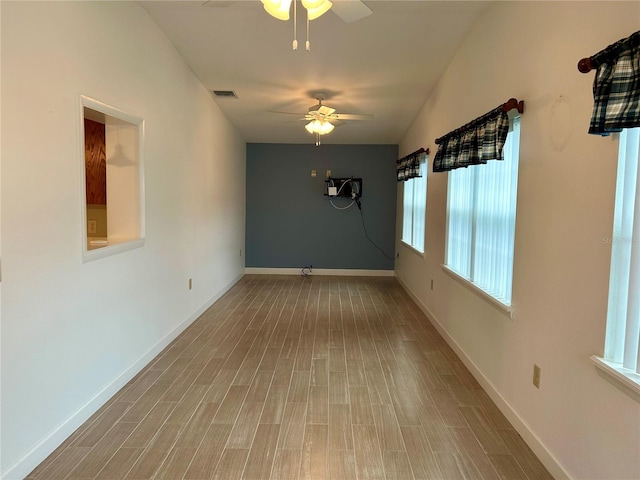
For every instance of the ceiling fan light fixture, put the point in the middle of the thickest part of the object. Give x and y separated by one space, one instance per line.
320 127
316 8
309 127
277 8
326 128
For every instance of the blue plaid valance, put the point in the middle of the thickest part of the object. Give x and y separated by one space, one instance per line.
616 87
409 167
475 143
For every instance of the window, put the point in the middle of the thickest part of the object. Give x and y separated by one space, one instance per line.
113 179
414 206
623 315
481 216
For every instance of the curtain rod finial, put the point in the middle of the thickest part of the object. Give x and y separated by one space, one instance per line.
585 65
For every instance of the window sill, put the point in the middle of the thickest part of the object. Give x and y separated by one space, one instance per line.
494 302
95 252
625 380
412 249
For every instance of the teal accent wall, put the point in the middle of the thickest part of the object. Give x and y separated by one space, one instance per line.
291 224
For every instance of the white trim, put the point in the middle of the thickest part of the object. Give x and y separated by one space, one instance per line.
521 426
102 107
411 248
619 377
319 271
30 460
503 308
109 250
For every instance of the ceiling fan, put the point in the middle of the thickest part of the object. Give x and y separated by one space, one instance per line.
323 119
348 10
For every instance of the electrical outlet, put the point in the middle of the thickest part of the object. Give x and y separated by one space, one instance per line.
92 226
328 173
190 284
536 376
313 173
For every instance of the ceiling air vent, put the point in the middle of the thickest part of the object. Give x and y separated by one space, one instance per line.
225 93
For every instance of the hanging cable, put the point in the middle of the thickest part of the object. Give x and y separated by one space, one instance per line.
341 208
355 196
366 234
338 194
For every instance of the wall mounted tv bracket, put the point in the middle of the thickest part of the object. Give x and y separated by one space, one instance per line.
343 187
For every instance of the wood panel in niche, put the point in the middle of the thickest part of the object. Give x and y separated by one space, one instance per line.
95 158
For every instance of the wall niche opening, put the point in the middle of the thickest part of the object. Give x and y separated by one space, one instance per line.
113 179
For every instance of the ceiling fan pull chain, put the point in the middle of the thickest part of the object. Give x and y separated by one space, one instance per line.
295 23
308 45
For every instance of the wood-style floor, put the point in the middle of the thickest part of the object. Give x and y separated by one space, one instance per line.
300 378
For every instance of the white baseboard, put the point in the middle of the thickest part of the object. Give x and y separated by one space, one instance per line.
50 442
521 426
320 271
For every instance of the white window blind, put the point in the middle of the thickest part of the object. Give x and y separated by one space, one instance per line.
623 315
414 207
481 215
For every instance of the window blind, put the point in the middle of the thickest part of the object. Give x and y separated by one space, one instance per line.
623 315
481 213
414 208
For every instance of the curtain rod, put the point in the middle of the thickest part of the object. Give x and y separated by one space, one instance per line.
585 65
417 152
507 106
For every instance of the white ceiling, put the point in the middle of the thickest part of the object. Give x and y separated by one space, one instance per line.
385 64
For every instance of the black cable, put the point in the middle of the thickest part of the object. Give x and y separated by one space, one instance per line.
367 233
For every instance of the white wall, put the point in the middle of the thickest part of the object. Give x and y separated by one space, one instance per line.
581 425
73 332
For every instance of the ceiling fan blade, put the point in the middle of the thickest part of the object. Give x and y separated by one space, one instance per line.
350 10
352 116
286 113
335 122
295 120
325 111
217 3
